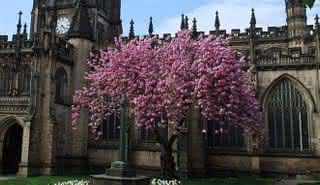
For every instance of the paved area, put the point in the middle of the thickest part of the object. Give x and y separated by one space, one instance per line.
7 177
293 182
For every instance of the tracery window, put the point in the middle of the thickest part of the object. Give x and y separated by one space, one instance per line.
111 128
224 135
287 118
5 79
15 82
24 82
7 84
61 86
146 135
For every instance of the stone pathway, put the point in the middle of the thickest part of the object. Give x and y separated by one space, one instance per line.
293 182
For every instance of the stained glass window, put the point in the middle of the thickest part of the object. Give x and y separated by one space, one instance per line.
287 115
61 85
111 128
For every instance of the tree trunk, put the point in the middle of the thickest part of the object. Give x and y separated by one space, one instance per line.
168 166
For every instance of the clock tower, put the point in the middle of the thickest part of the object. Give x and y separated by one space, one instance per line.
103 16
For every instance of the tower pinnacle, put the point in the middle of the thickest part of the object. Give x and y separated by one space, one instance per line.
194 28
182 25
19 23
253 20
186 23
217 22
131 32
150 30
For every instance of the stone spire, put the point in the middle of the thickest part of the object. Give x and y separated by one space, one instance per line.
182 25
253 23
150 30
25 34
253 20
81 26
186 23
317 22
131 31
25 28
217 22
19 24
18 41
252 33
194 28
18 34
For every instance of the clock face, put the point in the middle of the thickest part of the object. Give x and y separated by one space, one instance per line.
63 25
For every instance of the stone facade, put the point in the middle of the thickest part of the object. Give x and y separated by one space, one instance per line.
40 76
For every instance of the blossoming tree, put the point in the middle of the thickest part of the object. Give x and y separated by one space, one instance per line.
163 81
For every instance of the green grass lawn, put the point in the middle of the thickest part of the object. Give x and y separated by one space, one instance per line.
229 181
205 181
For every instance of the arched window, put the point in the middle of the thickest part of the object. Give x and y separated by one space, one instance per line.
146 135
224 136
2 89
111 128
25 81
61 85
287 118
5 81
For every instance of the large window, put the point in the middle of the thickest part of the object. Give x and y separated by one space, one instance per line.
25 81
4 81
224 135
111 128
146 135
287 118
61 86
15 82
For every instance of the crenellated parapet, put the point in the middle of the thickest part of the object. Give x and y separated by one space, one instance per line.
234 34
11 45
264 48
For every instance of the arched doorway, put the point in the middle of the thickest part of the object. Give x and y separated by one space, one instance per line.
11 150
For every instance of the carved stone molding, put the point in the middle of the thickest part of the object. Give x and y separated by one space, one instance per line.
14 105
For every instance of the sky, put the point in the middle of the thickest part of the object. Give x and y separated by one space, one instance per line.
167 14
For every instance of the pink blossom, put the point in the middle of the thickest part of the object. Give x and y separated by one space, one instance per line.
164 82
